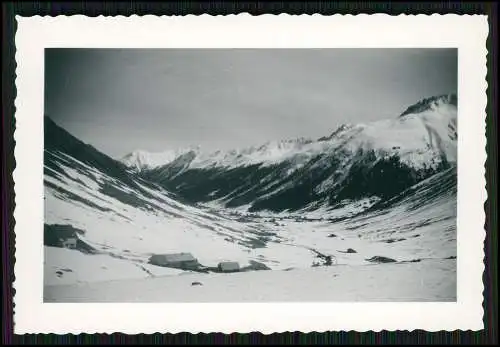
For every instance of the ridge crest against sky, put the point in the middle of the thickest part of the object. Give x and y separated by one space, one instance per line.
120 100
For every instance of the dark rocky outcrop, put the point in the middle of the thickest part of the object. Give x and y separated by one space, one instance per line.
380 259
255 266
427 103
349 250
55 235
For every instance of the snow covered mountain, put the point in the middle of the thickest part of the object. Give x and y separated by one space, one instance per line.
385 219
120 220
432 103
378 159
430 123
141 160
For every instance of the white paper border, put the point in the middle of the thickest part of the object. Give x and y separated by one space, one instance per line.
467 33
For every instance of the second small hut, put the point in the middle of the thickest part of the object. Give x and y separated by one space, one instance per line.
228 266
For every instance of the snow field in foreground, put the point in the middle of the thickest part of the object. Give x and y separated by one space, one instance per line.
429 280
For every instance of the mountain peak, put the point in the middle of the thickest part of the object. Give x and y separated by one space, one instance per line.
431 103
339 130
140 159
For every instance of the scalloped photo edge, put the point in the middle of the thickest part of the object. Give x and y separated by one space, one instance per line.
466 33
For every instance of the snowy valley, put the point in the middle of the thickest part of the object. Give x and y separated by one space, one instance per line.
367 213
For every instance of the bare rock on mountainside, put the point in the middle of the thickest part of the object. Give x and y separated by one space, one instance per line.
255 265
394 240
349 250
428 103
379 259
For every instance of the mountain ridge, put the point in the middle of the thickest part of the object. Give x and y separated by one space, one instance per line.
431 102
379 159
269 150
374 160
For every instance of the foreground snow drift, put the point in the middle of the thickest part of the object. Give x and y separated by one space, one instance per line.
428 280
65 266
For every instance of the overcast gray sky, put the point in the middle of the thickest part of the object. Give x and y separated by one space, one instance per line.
120 100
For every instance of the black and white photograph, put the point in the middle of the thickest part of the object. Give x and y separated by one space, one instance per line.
233 175
187 174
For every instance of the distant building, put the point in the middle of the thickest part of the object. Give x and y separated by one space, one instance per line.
229 266
184 261
69 242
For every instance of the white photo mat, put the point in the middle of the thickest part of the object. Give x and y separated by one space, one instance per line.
34 34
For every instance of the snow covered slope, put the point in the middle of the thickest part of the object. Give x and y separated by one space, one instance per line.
334 242
416 231
141 160
125 219
385 156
